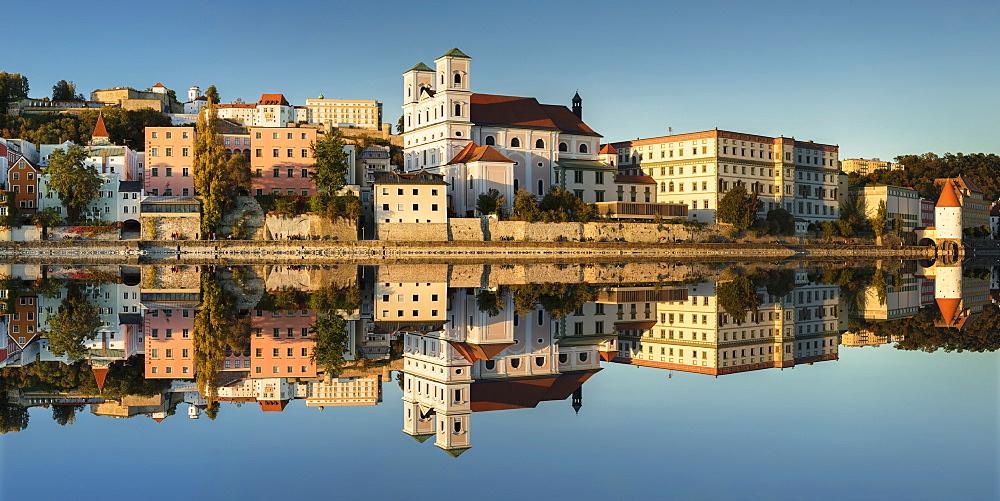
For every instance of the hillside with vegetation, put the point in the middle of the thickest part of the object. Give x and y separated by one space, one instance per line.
920 171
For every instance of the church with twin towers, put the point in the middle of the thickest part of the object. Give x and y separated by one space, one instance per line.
480 142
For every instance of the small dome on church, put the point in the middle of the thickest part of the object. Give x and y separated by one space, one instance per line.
321 97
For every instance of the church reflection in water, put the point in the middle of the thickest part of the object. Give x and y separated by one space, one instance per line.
461 339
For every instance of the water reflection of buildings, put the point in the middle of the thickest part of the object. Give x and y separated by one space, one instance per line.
693 333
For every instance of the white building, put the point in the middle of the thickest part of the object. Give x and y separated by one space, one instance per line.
271 110
443 117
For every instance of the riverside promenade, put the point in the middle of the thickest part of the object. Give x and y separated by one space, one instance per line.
373 251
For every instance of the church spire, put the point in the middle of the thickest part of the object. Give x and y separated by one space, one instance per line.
578 105
100 135
578 399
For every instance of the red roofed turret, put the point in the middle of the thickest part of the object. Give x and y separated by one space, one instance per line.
100 374
948 197
948 307
99 129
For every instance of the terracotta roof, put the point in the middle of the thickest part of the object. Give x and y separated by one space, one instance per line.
607 149
473 352
525 112
608 356
273 99
475 153
523 393
236 105
99 129
158 419
948 307
626 178
634 326
272 405
100 374
948 197
158 84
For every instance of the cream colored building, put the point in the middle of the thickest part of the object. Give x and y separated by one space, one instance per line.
902 202
698 169
344 392
863 166
417 197
697 335
363 113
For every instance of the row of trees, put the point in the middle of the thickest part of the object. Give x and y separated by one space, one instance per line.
125 127
557 206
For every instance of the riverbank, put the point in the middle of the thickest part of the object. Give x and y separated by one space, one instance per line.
200 251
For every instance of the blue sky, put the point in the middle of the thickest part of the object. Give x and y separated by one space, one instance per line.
878 78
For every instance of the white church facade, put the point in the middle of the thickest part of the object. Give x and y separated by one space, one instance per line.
483 141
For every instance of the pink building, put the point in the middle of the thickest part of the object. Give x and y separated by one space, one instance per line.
282 345
169 343
282 160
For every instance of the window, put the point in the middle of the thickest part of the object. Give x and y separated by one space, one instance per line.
490 141
169 152
274 152
539 144
563 147
515 143
583 147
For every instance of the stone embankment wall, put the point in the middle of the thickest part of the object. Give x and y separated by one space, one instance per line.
277 227
68 232
413 232
163 227
466 230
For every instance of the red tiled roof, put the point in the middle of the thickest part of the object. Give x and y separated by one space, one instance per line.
475 153
525 112
626 178
273 99
489 395
158 419
607 149
158 84
236 105
473 352
99 129
272 405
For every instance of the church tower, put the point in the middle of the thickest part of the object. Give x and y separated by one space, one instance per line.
948 213
453 433
454 89
100 135
578 105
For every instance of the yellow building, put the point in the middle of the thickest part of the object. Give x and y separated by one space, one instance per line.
863 166
363 113
698 169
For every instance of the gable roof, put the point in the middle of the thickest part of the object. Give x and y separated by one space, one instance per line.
158 84
475 153
419 177
525 112
273 99
625 178
607 149
473 352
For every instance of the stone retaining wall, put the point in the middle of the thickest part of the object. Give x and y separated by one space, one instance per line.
413 232
466 229
279 227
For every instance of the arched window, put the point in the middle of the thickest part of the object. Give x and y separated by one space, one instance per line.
458 110
458 79
442 79
670 187
634 159
539 361
515 143
563 147
583 147
539 144
583 357
517 185
409 91
563 358
458 426
515 363
490 141
490 364
541 191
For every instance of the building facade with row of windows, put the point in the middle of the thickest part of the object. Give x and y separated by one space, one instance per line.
698 169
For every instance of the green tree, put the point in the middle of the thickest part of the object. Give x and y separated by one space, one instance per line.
737 297
75 323
12 417
490 302
559 206
781 221
65 91
879 219
209 166
490 202
212 95
46 218
329 173
12 216
525 208
330 333
738 208
13 86
76 183
65 414
399 125
217 330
